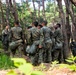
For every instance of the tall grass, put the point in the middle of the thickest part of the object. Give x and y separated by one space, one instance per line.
5 62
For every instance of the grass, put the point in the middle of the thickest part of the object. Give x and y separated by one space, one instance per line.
5 62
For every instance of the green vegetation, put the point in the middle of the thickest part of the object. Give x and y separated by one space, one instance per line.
71 63
24 67
5 62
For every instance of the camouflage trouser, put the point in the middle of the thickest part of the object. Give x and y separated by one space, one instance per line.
40 54
47 53
34 59
57 55
5 47
20 50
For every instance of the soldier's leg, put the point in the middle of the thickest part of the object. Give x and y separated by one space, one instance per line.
49 55
55 55
12 53
60 58
36 59
5 47
20 50
45 55
33 59
40 60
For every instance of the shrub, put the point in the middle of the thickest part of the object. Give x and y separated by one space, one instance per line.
5 62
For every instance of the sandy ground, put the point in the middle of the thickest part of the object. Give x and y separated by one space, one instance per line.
48 70
55 71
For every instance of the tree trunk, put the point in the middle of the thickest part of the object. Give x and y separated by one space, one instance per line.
73 18
7 12
62 16
73 2
38 11
43 13
54 6
34 10
29 10
2 19
68 27
15 10
3 22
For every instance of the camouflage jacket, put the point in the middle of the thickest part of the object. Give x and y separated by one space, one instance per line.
47 33
35 35
58 35
16 33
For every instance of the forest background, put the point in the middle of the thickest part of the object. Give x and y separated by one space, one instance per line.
54 11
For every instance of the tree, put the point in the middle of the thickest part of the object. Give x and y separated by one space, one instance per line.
13 9
73 1
38 10
2 16
68 27
43 11
73 18
62 16
52 12
34 9
7 12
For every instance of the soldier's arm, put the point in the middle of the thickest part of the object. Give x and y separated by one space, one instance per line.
41 38
23 36
2 35
29 36
51 34
10 35
56 33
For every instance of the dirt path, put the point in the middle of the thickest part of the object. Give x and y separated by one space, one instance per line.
55 71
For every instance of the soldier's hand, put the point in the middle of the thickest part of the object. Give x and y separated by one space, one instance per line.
40 46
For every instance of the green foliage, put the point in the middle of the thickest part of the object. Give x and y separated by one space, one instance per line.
24 67
63 66
52 12
37 73
55 62
5 62
18 61
43 66
24 14
71 59
11 72
71 65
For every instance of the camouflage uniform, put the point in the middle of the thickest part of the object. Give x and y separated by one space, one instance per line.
16 38
57 54
5 39
47 47
35 39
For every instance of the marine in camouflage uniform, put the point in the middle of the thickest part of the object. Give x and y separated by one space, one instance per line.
58 53
35 39
5 38
47 40
16 39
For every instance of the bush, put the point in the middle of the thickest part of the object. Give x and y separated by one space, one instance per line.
5 62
